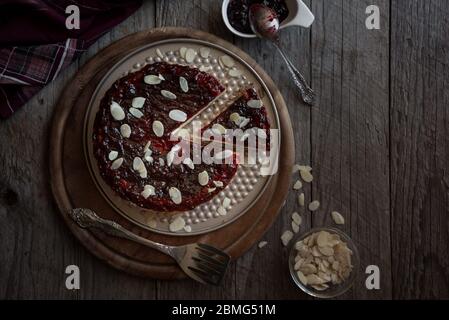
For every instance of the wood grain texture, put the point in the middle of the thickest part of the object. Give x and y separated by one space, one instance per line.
419 149
377 139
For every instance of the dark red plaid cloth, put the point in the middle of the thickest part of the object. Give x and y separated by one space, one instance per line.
35 45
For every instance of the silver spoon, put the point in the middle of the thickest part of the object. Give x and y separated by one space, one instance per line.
265 24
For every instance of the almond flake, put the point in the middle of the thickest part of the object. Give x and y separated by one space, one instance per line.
183 84
314 205
159 53
113 155
337 217
210 190
218 129
190 55
306 175
148 190
177 225
295 168
167 94
161 162
138 164
203 178
322 239
138 102
158 128
262 244
255 104
205 69
152 223
125 130
175 195
136 113
235 117
297 218
286 237
204 52
297 185
177 115
182 52
221 211
235 73
295 227
227 61
147 147
244 121
226 202
117 163
301 199
170 157
152 79
302 277
218 184
189 163
188 229
147 156
117 111
223 155
307 168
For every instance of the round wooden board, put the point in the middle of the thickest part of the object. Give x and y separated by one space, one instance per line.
73 187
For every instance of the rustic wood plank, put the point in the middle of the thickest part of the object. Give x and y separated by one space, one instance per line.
420 148
36 245
350 130
203 15
261 272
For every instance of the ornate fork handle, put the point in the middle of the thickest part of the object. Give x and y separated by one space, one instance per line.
87 219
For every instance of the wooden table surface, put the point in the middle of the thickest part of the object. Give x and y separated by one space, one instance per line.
378 142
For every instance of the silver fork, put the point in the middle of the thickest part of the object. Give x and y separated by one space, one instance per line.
201 262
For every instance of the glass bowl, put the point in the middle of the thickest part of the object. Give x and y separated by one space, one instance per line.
333 290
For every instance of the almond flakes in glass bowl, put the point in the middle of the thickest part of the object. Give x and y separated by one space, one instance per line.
323 262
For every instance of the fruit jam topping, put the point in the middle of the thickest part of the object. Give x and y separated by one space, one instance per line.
133 154
238 12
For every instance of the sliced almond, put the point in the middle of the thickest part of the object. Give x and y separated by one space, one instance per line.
190 55
113 155
136 113
203 178
226 202
297 185
221 211
255 104
125 130
227 61
235 117
161 162
262 244
295 227
170 157
183 84
152 79
337 217
177 115
189 163
205 68
302 277
168 94
306 175
175 195
295 168
327 251
235 73
148 190
314 205
188 229
117 111
223 155
204 52
286 237
117 163
297 218
301 199
218 184
147 146
138 164
218 129
210 190
138 102
182 52
159 53
244 121
177 225
322 239
158 128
